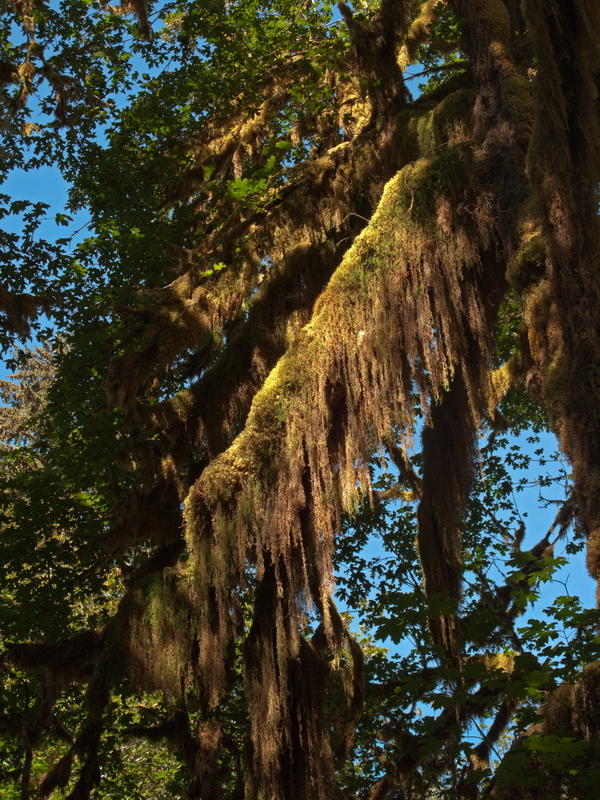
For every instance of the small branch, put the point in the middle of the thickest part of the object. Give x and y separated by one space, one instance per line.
404 467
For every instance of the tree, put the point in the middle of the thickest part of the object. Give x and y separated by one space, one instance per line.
293 266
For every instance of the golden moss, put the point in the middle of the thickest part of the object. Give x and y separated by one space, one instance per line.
408 306
504 662
502 380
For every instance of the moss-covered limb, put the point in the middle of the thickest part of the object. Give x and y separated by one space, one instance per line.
192 310
404 307
215 407
160 634
406 473
224 144
499 123
504 111
187 313
208 415
222 149
211 412
345 304
401 309
480 756
528 264
177 731
375 47
564 169
301 245
291 288
345 684
448 446
448 443
65 660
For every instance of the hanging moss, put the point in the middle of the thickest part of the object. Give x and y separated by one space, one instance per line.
271 445
418 32
161 635
406 293
564 160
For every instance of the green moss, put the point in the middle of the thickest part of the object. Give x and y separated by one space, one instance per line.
182 403
495 17
440 124
557 386
161 632
453 110
408 206
422 127
528 265
445 175
517 97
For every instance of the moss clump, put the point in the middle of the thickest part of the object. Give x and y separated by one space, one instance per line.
161 634
448 122
495 18
445 175
451 118
418 32
517 99
528 265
